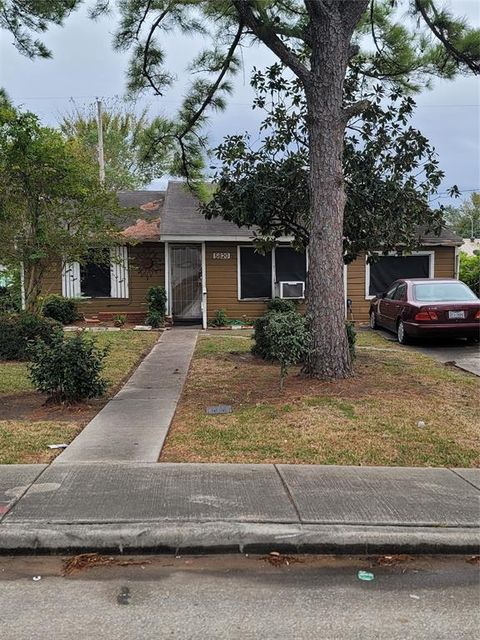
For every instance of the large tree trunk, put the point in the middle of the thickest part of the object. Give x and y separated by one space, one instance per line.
330 35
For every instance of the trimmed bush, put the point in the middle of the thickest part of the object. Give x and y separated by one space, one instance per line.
157 306
262 346
65 310
18 330
288 340
69 369
281 306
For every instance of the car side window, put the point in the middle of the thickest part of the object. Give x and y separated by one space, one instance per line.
400 292
390 293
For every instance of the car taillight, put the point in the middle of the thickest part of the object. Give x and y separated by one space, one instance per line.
477 315
426 315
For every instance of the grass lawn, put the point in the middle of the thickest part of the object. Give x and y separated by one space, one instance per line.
24 439
370 419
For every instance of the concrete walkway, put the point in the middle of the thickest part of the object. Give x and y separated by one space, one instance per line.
133 425
231 507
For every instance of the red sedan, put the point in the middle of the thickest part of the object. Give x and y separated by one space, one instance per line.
427 307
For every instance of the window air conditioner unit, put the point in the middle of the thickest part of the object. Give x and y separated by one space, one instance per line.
291 290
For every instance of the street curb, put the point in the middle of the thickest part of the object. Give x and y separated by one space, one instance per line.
234 537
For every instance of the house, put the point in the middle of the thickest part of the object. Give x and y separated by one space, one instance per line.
207 265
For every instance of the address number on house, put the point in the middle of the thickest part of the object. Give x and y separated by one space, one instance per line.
221 255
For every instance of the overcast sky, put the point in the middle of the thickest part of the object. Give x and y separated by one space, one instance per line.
84 66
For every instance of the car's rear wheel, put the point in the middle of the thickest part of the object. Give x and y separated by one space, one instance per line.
373 320
402 336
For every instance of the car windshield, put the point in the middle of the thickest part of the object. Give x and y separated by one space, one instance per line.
443 292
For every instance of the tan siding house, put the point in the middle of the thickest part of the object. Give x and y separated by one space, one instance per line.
207 265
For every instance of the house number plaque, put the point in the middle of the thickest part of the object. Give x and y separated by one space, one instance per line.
221 255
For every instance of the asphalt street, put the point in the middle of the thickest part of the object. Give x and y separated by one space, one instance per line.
242 597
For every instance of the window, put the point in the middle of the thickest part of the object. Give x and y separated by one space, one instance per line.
401 291
290 265
95 279
443 292
386 269
390 293
255 274
103 275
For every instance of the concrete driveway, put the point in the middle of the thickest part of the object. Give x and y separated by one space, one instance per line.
464 355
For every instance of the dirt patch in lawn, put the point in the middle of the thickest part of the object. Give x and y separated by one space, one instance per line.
32 406
370 419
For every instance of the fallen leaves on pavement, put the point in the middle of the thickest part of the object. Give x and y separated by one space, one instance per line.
89 560
279 559
391 561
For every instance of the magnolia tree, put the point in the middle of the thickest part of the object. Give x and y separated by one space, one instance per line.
52 206
390 171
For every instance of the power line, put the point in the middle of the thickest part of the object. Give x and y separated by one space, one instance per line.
179 100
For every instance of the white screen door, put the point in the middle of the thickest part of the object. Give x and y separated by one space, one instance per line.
186 281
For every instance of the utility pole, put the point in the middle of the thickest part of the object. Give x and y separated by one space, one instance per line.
101 161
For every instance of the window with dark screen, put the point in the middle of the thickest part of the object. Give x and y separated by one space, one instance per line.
255 274
95 276
290 265
387 269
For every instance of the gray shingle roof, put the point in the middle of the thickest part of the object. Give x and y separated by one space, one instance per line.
182 217
179 215
446 237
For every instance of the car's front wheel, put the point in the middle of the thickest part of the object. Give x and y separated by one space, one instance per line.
373 320
402 336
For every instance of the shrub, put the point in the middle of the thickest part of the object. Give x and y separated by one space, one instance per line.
119 319
69 369
10 299
352 338
470 271
65 310
288 339
17 330
281 306
157 306
261 346
219 319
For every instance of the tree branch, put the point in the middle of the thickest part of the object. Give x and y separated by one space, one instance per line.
145 71
268 36
457 55
355 109
213 89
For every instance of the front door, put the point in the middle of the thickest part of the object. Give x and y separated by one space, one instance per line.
186 281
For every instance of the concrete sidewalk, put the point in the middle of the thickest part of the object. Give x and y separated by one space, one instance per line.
221 507
134 424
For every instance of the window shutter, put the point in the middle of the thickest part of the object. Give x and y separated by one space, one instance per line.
71 280
119 272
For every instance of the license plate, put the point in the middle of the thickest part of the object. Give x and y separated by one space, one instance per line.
456 315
